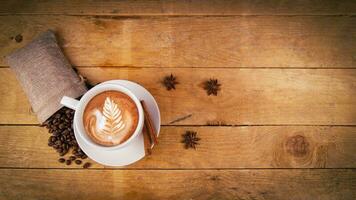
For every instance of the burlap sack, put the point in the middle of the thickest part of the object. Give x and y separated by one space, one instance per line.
45 75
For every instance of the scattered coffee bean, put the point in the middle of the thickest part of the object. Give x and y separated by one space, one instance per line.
62 139
61 126
52 139
78 162
65 132
18 38
68 162
61 160
87 165
62 153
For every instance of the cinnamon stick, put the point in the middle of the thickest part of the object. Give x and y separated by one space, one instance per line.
149 124
147 142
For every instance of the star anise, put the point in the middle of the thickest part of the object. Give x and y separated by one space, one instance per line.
212 87
190 139
170 82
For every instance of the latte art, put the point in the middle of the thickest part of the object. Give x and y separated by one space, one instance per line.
110 122
110 118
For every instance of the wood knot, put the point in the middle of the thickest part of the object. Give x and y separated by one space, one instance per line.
215 178
297 145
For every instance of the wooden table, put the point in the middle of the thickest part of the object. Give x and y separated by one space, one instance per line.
282 127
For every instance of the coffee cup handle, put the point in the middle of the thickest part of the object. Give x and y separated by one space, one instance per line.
69 102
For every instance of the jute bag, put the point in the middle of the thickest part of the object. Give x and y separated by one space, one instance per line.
45 75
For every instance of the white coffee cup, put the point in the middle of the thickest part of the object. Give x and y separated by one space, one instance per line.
80 105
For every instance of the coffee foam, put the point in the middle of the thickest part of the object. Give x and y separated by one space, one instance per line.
110 118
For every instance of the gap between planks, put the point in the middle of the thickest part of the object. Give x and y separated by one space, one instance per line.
173 169
148 67
152 16
232 125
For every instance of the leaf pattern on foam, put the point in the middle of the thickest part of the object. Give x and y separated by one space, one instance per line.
113 117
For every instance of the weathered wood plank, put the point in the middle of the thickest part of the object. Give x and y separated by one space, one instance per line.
220 147
182 7
247 97
250 41
178 184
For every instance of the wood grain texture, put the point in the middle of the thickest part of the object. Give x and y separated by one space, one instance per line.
247 41
178 184
247 97
182 7
220 147
144 41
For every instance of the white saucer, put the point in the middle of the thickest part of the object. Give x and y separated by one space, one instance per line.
133 151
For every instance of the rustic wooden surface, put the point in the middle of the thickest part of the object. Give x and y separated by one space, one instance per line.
221 147
178 184
284 121
194 41
248 97
182 7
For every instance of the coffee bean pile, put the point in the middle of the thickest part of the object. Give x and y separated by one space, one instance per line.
62 139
